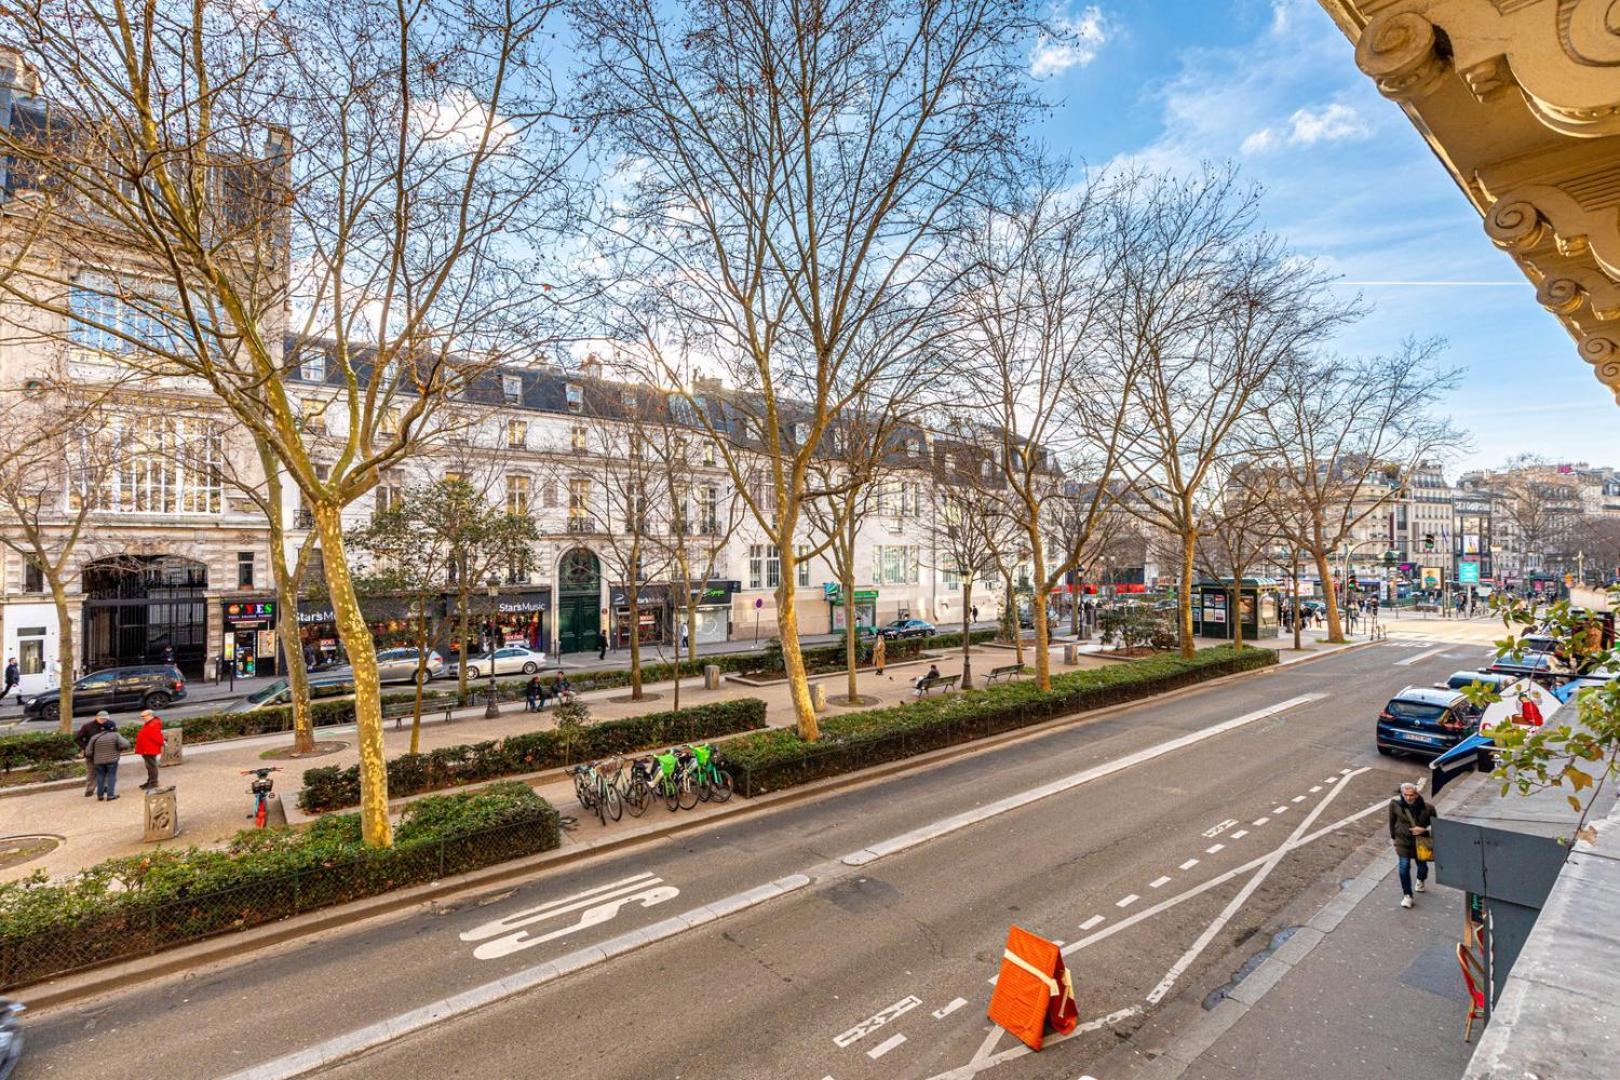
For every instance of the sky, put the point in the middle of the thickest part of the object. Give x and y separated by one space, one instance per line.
1272 85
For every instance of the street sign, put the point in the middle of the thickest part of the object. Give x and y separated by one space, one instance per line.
1468 573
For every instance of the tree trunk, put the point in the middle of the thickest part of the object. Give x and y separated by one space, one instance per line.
787 626
1330 596
375 827
851 643
1189 548
1236 612
632 594
1017 624
421 681
680 621
463 616
64 649
1037 611
288 583
967 633
1298 646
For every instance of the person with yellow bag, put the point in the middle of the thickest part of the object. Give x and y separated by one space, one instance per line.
1411 822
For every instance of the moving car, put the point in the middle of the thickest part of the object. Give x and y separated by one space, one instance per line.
11 1040
508 660
399 665
279 693
1425 720
119 689
904 628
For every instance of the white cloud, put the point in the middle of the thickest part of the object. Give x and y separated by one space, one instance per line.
1074 41
1334 122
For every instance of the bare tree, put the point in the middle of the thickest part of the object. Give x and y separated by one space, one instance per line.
1209 308
968 531
374 173
1347 433
793 172
1596 539
1239 534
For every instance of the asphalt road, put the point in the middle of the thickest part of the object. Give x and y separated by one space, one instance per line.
1160 875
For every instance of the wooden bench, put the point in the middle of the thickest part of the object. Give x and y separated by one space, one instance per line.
938 682
400 711
1005 671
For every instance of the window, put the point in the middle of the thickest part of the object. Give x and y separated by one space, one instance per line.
579 505
313 367
984 468
708 453
952 577
105 320
548 495
894 564
517 495
313 413
635 508
389 495
578 438
517 434
801 432
950 462
517 567
244 569
33 577
708 510
165 465
575 394
388 421
764 566
913 448
627 398
454 476
803 566
512 387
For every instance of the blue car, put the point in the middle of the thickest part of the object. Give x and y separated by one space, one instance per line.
1426 721
904 628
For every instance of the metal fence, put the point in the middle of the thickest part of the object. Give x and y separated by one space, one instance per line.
131 926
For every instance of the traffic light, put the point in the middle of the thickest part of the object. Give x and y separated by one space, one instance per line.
1428 541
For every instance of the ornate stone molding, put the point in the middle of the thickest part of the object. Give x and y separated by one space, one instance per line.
1534 218
1566 293
1401 52
1603 353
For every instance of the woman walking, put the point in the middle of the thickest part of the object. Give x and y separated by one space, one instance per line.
1411 821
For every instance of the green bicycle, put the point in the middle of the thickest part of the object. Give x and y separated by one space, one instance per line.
713 782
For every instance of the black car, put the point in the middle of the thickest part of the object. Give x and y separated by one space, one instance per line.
119 689
904 628
1423 720
1543 667
1461 680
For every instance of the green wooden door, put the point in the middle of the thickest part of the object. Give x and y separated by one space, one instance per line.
579 598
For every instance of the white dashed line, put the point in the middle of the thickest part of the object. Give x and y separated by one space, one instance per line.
1213 848
1343 772
1159 882
1189 864
1315 788
1240 834
1089 923
885 1046
1259 821
1297 798
956 1003
1279 810
1127 901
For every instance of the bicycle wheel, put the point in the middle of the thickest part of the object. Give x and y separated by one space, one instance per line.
700 783
613 802
582 790
599 802
688 792
636 797
672 794
720 786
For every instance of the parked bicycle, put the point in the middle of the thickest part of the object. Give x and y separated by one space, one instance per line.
597 784
260 788
713 781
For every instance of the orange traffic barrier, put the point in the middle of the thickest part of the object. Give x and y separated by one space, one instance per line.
1033 992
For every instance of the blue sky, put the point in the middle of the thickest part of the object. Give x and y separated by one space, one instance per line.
1272 85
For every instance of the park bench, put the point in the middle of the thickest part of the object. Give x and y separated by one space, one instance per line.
400 711
1005 671
937 682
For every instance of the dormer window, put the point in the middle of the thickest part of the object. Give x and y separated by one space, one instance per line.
313 367
913 448
576 397
627 398
512 387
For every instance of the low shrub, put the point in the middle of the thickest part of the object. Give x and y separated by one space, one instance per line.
333 788
142 903
776 759
31 749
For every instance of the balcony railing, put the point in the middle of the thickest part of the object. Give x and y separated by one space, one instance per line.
581 525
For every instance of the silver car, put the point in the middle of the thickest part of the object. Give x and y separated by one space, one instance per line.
508 660
279 693
399 665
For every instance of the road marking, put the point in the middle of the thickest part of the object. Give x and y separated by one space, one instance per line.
984 1060
1188 865
1156 883
1089 923
1410 660
1127 900
1213 848
1317 787
518 920
384 1031
946 826
876 1020
885 1046
594 915
1259 821
1297 799
1279 810
955 1003
1236 903
1218 829
1240 834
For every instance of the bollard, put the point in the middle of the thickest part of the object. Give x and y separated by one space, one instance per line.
711 676
174 747
1071 654
162 814
274 813
818 697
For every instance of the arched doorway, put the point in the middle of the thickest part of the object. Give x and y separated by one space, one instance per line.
579 599
137 608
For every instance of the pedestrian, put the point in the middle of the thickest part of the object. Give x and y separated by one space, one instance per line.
1410 822
13 677
168 654
149 744
880 650
103 750
81 738
975 612
535 694
601 645
683 637
918 683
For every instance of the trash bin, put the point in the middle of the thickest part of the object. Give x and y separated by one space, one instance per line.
818 697
162 814
1071 654
711 676
174 747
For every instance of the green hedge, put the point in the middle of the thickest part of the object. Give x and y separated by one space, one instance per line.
332 788
776 759
166 897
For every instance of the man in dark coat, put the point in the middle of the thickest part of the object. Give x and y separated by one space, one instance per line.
1410 818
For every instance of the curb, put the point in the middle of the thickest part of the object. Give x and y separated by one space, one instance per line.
92 982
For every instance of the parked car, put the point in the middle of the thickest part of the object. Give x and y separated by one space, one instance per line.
904 628
1461 679
508 660
279 693
399 665
119 689
11 1040
1540 666
1425 720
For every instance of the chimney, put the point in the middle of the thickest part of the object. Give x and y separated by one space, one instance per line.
17 74
592 367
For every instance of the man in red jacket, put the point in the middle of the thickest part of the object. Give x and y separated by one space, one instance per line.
149 744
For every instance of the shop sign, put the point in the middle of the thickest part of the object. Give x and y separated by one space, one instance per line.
525 603
250 613
716 592
619 596
834 594
1468 573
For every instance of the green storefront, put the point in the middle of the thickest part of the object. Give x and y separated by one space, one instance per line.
865 607
1217 605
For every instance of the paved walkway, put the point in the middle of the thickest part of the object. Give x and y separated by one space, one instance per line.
212 793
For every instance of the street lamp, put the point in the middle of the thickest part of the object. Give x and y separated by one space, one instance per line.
492 708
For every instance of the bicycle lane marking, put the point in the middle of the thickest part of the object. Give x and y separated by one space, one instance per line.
596 906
